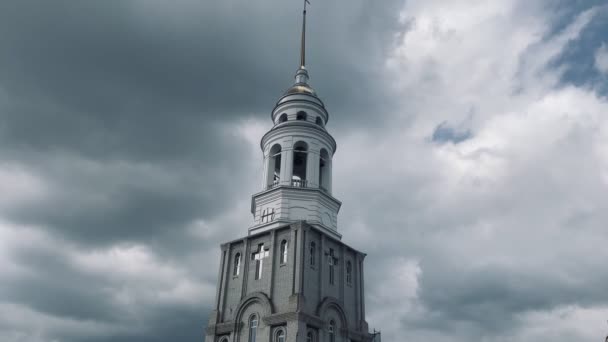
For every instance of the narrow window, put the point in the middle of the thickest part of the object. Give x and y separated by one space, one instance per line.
237 264
319 121
283 251
310 337
332 263
331 331
300 159
253 327
280 336
313 251
283 118
349 272
301 116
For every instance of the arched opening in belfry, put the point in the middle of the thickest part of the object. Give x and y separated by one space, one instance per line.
324 170
283 118
274 166
319 121
300 159
301 116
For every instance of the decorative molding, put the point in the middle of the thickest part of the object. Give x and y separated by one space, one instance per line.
223 328
259 297
331 302
281 318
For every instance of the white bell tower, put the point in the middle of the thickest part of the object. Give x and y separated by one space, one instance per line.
298 154
292 278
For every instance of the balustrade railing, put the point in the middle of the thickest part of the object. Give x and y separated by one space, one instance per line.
274 184
299 183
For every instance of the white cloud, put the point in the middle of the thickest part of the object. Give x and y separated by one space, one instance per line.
601 59
396 295
20 186
525 194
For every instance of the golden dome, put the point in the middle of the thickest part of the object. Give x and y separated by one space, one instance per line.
301 88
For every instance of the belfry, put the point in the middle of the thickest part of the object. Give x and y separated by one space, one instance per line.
292 279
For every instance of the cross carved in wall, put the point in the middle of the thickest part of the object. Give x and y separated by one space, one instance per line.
259 256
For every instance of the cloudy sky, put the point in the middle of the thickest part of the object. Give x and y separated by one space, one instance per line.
472 160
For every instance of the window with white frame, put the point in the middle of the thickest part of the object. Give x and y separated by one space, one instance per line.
237 264
253 327
283 251
279 335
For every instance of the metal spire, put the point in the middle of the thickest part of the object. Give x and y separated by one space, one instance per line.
303 47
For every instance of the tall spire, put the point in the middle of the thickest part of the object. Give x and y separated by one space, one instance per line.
303 47
302 74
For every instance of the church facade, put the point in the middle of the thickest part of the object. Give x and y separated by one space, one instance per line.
291 278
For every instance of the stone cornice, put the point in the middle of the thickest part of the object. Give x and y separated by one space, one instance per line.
298 193
223 328
295 127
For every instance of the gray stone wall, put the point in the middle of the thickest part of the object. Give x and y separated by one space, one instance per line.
293 295
283 275
234 283
312 274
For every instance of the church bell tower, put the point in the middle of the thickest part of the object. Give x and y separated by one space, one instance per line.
291 278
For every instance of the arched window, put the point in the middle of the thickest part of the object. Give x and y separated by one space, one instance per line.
310 337
349 272
324 170
274 166
279 336
313 251
283 251
224 339
331 331
253 327
319 121
237 264
300 159
301 116
283 118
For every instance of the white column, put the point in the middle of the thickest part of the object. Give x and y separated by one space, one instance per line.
287 166
312 169
329 174
265 173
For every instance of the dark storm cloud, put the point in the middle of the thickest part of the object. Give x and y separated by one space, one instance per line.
53 287
127 112
147 82
497 294
91 77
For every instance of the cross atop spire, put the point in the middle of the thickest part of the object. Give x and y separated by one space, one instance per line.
303 47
